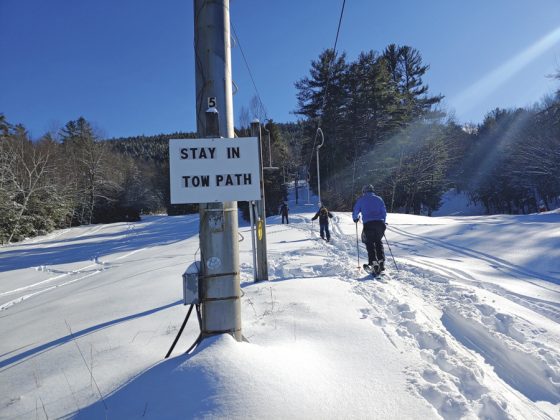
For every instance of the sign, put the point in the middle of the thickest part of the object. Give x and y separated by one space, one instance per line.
214 170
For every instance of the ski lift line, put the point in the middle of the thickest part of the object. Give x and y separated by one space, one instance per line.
263 109
334 53
328 81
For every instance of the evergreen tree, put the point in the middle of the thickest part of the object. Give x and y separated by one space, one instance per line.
323 98
407 69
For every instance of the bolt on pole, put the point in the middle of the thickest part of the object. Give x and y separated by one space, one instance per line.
220 289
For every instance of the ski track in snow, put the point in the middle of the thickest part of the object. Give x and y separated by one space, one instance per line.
548 309
497 263
452 339
82 273
428 308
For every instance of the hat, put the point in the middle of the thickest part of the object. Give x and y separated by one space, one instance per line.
367 188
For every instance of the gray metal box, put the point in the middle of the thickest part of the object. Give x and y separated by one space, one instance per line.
190 284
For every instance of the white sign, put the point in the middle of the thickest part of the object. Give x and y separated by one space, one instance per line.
214 170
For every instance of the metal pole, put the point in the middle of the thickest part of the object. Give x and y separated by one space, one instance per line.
252 219
269 149
318 174
308 179
357 245
262 260
391 251
296 185
220 290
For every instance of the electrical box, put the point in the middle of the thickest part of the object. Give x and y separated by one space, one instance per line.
190 284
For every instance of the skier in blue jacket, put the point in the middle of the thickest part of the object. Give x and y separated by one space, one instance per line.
373 211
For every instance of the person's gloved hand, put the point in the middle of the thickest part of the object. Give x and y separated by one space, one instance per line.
356 220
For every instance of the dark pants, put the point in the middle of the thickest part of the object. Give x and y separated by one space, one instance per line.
372 236
324 229
285 216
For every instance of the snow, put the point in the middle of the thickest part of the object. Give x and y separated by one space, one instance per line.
466 323
458 203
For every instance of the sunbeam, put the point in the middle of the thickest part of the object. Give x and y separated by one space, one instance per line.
472 96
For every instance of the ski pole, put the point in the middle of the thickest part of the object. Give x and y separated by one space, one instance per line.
390 251
357 245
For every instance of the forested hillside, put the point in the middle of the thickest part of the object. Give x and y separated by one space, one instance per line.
381 125
74 177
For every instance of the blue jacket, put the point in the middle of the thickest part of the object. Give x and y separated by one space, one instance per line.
372 208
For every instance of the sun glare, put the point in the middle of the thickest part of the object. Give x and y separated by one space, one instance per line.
472 96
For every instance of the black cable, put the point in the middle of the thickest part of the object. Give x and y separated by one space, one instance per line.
180 332
334 54
263 109
195 344
328 80
200 337
339 23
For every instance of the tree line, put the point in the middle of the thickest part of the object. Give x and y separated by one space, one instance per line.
382 126
69 178
74 177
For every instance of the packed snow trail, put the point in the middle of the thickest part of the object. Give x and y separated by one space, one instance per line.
464 329
438 316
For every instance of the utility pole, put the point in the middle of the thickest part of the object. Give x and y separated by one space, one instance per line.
262 260
269 149
296 184
318 175
219 273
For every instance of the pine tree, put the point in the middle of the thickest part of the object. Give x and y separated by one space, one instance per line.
407 69
323 98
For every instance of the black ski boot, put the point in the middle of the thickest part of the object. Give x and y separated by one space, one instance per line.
372 268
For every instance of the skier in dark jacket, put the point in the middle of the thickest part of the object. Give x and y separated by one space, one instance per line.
284 212
324 215
373 211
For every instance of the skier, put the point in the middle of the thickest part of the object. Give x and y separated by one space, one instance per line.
374 213
284 212
324 215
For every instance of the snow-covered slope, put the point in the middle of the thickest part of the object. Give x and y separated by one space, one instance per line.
466 324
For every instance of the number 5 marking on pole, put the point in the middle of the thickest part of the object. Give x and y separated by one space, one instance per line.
211 102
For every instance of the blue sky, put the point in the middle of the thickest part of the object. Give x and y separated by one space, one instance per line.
127 65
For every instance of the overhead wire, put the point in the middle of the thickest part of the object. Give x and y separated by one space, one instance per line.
328 80
263 109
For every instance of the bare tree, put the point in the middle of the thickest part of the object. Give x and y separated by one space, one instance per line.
24 168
